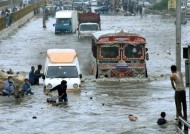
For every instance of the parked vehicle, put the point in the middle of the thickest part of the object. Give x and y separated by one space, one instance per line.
66 21
88 24
94 2
68 6
187 10
102 9
118 55
78 5
87 2
62 64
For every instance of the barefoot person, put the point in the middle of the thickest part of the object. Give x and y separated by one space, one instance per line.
180 95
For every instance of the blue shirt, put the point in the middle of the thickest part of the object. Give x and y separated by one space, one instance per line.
32 77
26 87
9 87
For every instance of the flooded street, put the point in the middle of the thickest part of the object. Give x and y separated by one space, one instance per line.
100 107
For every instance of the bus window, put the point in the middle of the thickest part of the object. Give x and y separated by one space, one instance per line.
94 48
109 51
132 51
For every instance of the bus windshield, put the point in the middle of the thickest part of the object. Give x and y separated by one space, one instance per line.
109 51
132 51
62 72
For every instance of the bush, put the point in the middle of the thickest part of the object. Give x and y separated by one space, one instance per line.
162 5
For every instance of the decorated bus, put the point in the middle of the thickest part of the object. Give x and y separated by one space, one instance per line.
118 55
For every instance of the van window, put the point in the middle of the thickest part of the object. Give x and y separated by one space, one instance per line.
66 21
62 72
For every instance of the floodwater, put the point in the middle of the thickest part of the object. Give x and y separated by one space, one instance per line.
100 107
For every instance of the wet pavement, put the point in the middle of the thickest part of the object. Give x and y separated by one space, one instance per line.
100 107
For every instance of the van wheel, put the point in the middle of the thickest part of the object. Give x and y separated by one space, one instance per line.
146 73
56 32
96 74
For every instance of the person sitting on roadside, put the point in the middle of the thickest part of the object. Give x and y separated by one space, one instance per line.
162 122
32 76
26 88
9 87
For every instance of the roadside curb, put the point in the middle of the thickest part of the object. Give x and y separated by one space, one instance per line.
9 30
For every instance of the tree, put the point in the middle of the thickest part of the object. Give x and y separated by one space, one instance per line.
162 5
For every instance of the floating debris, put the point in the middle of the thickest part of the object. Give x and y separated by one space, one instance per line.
34 117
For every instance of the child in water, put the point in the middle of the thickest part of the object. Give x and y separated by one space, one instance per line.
162 122
26 88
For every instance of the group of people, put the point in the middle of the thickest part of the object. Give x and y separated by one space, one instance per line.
11 89
61 88
176 79
26 89
34 75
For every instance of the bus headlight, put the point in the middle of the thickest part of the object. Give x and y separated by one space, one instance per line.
49 86
75 85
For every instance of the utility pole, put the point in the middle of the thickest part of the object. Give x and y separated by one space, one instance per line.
11 6
188 68
44 15
178 35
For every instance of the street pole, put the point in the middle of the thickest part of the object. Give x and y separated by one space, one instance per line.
178 35
189 71
44 16
185 127
11 6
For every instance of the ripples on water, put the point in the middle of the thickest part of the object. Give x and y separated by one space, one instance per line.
101 107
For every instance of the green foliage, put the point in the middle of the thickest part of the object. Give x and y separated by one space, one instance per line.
162 5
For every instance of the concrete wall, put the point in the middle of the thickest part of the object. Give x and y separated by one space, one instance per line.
15 25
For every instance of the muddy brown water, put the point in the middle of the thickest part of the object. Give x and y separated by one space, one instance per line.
100 107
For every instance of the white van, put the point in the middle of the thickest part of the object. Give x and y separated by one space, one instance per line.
62 64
